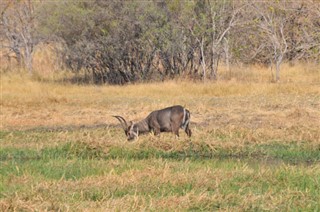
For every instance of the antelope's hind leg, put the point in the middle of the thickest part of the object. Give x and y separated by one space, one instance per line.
188 131
175 129
177 133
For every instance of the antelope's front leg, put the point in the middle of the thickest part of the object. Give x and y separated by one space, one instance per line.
156 128
156 131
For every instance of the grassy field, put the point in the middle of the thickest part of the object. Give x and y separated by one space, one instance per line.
255 145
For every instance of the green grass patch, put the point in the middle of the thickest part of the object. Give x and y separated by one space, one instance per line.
68 150
288 153
291 153
52 169
198 175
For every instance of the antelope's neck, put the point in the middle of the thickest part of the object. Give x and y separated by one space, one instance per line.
143 126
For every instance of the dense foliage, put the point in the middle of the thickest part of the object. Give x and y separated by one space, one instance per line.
126 41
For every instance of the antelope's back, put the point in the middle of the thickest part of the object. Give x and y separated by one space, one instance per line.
171 113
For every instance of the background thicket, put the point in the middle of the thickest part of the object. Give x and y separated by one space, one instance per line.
128 41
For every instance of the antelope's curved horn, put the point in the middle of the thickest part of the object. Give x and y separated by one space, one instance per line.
122 122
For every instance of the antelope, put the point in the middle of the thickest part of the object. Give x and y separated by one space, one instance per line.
169 119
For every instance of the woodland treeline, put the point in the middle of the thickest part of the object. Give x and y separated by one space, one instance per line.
118 42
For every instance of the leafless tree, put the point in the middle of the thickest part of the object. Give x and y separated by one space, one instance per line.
272 25
17 25
210 29
223 19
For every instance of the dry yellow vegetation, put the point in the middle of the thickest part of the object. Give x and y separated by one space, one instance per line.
257 106
254 145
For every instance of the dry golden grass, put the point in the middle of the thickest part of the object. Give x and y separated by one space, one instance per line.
240 112
260 109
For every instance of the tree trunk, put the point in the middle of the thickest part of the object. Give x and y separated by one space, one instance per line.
203 62
278 63
227 54
28 60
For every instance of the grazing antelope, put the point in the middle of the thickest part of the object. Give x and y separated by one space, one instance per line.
169 119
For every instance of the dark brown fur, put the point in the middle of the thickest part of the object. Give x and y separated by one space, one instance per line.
169 119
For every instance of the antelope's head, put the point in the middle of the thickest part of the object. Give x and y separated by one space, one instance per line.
131 130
